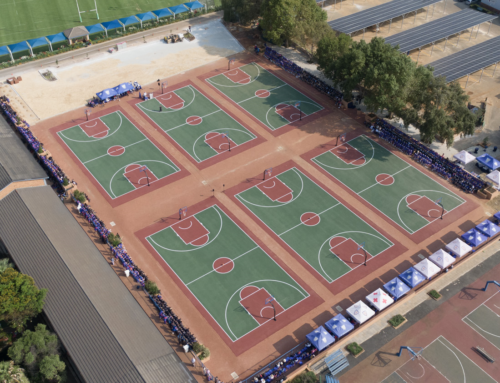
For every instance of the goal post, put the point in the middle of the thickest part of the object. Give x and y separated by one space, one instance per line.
90 10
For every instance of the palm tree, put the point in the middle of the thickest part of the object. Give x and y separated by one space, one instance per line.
5 264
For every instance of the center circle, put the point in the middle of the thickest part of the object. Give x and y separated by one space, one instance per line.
116 150
310 219
223 265
384 179
262 93
194 120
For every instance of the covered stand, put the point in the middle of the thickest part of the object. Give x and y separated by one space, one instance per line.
106 93
458 247
109 25
412 277
488 228
178 9
396 287
473 237
58 37
427 268
194 5
75 33
487 162
442 259
146 16
19 47
380 299
464 157
5 51
123 88
320 338
339 326
360 312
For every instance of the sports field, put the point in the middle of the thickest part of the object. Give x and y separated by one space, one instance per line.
397 189
228 273
265 96
320 229
117 154
485 319
195 123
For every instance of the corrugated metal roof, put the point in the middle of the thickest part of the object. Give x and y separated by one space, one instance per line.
15 159
107 333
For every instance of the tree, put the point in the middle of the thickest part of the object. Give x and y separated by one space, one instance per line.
242 11
5 264
20 299
279 19
305 377
10 373
330 49
37 351
310 25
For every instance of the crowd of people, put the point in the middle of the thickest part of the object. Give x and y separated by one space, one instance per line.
300 73
427 157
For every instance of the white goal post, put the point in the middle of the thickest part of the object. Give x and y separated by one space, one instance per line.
91 10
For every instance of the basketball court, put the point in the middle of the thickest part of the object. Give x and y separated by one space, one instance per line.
196 124
266 97
398 190
119 156
486 320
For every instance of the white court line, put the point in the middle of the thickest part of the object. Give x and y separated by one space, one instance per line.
178 126
376 183
209 79
318 214
269 90
107 154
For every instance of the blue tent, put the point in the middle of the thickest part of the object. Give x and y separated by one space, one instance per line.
56 38
95 28
106 93
497 216
178 9
19 47
122 88
488 161
339 326
163 12
146 16
396 287
129 20
194 5
5 51
111 25
320 338
412 277
488 228
40 41
473 237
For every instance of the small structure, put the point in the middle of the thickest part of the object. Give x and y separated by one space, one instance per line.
52 39
427 268
442 259
458 247
339 325
487 162
495 177
360 312
379 299
464 157
412 277
320 338
473 237
75 33
396 287
488 228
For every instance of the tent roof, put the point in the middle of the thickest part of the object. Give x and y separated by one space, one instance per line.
464 156
494 176
122 88
458 247
473 237
178 9
129 20
19 47
95 28
442 259
56 38
163 12
396 287
4 50
339 325
488 161
106 93
380 299
37 42
75 32
360 312
111 25
320 338
488 228
427 268
194 5
412 277
146 16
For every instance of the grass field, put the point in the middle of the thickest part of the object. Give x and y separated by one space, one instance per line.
227 272
112 149
320 229
195 123
28 19
397 189
266 97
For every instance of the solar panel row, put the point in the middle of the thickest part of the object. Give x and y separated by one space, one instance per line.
468 61
378 14
438 29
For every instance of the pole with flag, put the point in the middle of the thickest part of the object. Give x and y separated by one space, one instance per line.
144 169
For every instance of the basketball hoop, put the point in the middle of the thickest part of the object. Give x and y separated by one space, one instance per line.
268 172
271 300
164 84
440 203
226 135
232 61
362 246
183 212
341 138
144 169
87 113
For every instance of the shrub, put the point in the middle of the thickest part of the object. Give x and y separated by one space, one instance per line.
115 240
354 348
151 287
396 320
40 150
434 294
197 347
205 353
79 196
65 182
305 377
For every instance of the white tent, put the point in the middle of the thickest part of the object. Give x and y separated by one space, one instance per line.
494 176
427 268
458 247
464 156
360 312
379 299
442 259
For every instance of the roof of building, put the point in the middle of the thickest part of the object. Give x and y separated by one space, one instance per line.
16 162
106 332
75 32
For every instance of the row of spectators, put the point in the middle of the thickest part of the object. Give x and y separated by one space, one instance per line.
427 157
299 72
184 336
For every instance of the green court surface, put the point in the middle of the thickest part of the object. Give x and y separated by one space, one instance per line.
195 123
113 151
486 322
266 97
320 229
227 272
397 189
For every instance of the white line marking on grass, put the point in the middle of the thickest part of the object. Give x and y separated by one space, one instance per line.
269 90
215 84
107 154
168 111
60 133
376 183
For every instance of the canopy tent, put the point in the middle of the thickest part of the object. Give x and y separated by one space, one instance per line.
58 37
339 326
412 277
495 177
5 51
164 12
396 287
194 5
106 93
458 247
497 215
360 312
146 16
488 161
176 9
473 237
76 32
95 28
38 42
442 259
427 268
128 21
464 157
320 338
123 88
108 25
19 47
488 228
380 299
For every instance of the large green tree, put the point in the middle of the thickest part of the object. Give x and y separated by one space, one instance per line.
37 351
310 26
330 49
242 11
279 18
20 298
5 264
10 373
